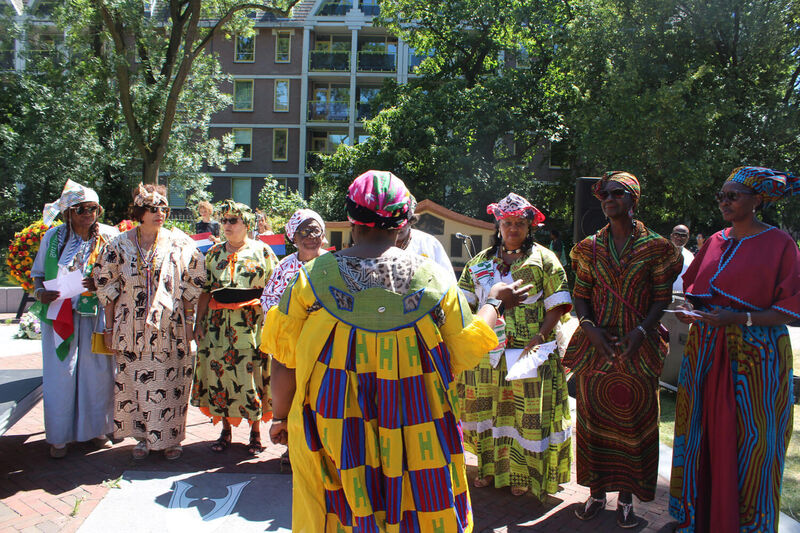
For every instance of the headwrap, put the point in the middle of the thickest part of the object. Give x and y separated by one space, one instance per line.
297 219
412 205
771 184
73 194
240 210
144 197
515 205
626 179
378 199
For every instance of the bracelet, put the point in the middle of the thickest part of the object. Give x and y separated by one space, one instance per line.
584 319
640 328
280 420
36 292
108 330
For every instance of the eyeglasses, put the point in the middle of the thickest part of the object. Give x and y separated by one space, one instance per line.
310 232
731 196
81 209
157 208
615 193
234 220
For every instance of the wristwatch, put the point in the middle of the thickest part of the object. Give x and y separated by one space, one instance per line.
498 305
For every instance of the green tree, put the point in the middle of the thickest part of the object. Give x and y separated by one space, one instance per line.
680 92
466 131
278 204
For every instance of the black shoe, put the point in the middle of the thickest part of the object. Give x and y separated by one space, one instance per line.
590 508
626 518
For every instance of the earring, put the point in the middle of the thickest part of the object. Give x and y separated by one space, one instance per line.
630 213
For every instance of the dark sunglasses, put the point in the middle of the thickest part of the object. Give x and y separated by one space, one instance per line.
156 209
234 220
616 194
81 209
731 196
309 232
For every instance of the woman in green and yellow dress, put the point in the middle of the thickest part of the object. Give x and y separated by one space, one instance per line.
231 375
520 429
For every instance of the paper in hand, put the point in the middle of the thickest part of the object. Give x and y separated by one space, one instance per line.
684 312
527 366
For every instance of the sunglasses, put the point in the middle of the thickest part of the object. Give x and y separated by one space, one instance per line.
81 209
616 194
731 196
310 232
156 209
233 220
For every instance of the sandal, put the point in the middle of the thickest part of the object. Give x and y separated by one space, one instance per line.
482 482
254 447
140 451
58 453
590 508
519 490
170 454
223 442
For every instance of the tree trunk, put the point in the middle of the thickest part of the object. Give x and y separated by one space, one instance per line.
150 171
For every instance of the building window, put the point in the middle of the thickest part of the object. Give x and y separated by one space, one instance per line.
241 190
281 96
559 155
280 145
336 239
243 138
283 47
245 51
242 95
455 246
523 58
177 194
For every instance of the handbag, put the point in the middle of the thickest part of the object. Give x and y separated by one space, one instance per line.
663 332
99 345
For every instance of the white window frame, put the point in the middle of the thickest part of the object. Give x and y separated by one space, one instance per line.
252 94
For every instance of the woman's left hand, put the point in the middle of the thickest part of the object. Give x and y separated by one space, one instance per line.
536 341
631 344
89 284
721 317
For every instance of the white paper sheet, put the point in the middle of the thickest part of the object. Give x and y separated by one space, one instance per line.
68 285
683 312
527 366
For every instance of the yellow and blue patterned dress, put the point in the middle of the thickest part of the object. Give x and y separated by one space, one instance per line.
374 434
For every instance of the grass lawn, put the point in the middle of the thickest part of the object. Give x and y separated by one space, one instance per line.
790 493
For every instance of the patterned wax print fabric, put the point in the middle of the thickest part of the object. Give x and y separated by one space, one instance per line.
281 275
514 205
771 184
617 404
231 376
72 194
520 430
626 179
735 387
154 365
376 345
378 199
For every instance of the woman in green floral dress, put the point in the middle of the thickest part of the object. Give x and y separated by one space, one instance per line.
231 378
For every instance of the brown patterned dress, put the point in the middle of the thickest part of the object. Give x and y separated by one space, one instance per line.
154 361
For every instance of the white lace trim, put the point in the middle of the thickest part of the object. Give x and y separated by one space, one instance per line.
556 299
536 446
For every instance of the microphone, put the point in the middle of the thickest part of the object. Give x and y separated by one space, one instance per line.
461 236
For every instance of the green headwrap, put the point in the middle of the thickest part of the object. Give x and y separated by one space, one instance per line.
240 210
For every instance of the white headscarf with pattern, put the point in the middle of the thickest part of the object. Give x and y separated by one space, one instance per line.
73 194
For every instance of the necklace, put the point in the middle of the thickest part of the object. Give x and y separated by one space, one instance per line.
507 251
144 264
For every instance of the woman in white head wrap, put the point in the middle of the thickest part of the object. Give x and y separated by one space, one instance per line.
78 385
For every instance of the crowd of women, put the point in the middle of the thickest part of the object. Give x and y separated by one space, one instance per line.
379 371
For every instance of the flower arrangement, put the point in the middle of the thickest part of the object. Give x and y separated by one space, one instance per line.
29 327
125 225
22 251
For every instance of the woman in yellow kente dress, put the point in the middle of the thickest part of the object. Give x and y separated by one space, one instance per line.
372 338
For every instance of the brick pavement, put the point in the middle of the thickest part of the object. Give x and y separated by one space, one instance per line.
39 494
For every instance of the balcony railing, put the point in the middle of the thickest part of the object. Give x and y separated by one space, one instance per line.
369 61
371 10
322 60
321 111
335 8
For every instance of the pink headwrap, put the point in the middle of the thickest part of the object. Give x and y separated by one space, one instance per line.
378 199
515 205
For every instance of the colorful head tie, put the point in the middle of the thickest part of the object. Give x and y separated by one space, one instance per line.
378 199
144 197
229 207
771 184
297 219
73 194
626 179
515 205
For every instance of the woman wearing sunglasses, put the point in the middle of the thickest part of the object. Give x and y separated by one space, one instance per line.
623 283
734 408
231 379
149 279
78 385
